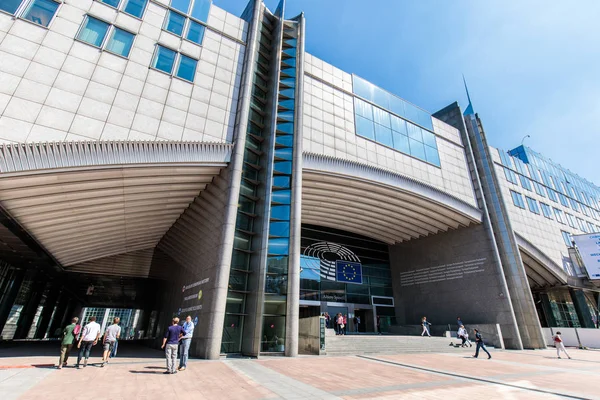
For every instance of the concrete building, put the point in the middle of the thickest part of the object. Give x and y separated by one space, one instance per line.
167 156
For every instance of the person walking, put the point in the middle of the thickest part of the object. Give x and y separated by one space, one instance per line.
89 338
558 343
425 324
459 322
356 321
170 344
111 335
480 344
327 320
68 337
184 343
340 324
345 320
378 322
464 336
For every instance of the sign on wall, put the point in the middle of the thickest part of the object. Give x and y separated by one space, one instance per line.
589 249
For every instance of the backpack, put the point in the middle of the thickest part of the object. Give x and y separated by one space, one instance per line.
77 330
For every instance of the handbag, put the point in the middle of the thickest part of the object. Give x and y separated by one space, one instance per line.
342 326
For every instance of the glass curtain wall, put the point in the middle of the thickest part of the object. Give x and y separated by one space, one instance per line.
275 301
247 223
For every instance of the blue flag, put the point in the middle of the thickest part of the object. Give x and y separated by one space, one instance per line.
348 271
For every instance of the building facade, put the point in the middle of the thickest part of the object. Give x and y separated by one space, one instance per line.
167 156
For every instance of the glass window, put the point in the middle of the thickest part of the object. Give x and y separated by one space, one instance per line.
429 138
279 246
195 32
517 199
280 212
187 68
40 11
164 59
571 220
365 128
525 182
574 204
135 7
281 229
175 22
582 225
532 204
10 6
112 3
401 142
552 195
363 88
546 210
281 197
397 105
432 155
363 109
181 5
539 189
282 167
559 215
510 176
563 200
93 31
201 9
591 227
567 238
381 117
414 132
398 124
417 149
383 135
120 42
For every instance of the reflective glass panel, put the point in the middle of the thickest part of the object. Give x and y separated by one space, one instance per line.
187 68
283 167
93 31
398 124
363 88
364 127
281 229
396 105
429 138
432 155
417 149
120 42
281 196
181 5
414 132
279 246
10 6
281 181
284 140
363 108
164 59
277 265
286 127
383 135
381 117
280 212
195 32
200 9
175 22
382 98
284 153
401 143
40 11
113 3
135 7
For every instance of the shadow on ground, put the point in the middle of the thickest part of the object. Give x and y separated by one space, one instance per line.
51 348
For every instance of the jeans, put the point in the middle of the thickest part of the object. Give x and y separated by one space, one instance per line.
171 355
481 346
84 351
184 349
425 331
65 349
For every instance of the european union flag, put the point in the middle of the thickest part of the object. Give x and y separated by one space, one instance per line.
348 271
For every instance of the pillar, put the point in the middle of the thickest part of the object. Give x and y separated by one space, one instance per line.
11 292
581 307
59 314
49 305
547 308
32 301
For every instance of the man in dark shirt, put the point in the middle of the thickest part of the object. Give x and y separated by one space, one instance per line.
480 344
68 337
171 341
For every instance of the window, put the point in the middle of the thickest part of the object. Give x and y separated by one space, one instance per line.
571 220
195 32
10 6
563 200
582 225
41 12
95 32
539 189
510 176
559 215
552 195
532 204
112 3
135 7
567 238
591 228
517 199
525 182
546 210
166 59
174 23
574 204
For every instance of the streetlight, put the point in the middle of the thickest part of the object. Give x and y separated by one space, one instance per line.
526 136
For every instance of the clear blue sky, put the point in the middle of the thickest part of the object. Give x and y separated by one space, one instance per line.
533 67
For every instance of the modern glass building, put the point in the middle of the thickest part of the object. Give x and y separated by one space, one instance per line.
169 157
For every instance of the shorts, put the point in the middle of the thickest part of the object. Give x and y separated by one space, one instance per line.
108 346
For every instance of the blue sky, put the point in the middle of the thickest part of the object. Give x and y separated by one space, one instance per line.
533 67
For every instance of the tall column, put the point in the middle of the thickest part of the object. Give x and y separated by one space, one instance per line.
59 314
49 305
547 308
11 292
29 310
581 307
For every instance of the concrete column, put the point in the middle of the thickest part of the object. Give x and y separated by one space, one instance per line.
59 314
11 292
293 293
105 320
581 306
49 306
29 310
547 308
213 348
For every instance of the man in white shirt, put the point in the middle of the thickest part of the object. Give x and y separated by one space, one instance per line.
111 335
89 337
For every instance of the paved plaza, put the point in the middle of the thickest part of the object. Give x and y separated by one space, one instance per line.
138 374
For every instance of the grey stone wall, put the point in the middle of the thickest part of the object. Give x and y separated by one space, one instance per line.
448 275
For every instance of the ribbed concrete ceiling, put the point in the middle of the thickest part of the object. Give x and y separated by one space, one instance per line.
86 203
540 269
376 203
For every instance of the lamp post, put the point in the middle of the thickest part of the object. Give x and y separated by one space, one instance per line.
525 137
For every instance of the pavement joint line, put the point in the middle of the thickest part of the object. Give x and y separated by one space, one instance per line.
407 386
276 382
476 379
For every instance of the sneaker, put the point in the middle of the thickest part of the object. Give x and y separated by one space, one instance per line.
174 372
474 356
559 357
103 364
569 358
59 367
79 366
181 368
489 357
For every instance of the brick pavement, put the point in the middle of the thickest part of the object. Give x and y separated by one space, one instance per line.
510 375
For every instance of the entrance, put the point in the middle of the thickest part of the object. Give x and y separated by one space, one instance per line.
366 320
383 307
